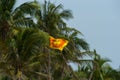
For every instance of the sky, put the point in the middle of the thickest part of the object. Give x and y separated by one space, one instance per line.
99 21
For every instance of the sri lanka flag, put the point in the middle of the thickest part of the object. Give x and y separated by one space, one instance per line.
58 43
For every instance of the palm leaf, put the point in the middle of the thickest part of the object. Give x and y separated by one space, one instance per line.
24 22
26 8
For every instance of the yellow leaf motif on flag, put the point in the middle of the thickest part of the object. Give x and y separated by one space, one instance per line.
58 43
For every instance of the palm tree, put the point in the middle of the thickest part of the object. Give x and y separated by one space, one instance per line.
10 21
51 18
97 71
71 53
110 74
24 54
10 18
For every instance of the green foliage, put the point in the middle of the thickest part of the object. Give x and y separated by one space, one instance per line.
10 18
51 18
24 45
22 52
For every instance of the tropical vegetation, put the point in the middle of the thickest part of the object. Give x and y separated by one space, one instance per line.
24 45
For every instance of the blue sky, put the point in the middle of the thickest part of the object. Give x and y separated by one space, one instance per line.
99 21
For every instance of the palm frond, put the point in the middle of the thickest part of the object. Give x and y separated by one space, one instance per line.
41 74
57 8
66 14
24 22
27 8
7 5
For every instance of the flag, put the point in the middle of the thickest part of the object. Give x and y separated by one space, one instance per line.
58 43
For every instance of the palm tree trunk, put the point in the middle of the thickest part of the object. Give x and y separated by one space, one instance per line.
68 67
49 61
62 72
